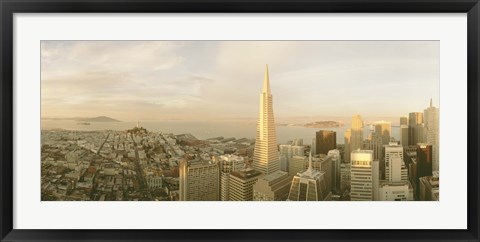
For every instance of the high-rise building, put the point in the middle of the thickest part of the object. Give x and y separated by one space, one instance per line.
283 162
287 152
298 150
374 142
296 165
241 184
265 156
336 161
424 160
420 165
228 163
344 177
199 180
357 133
404 135
395 169
362 174
431 116
403 121
297 142
313 149
348 140
415 128
309 186
325 141
272 187
429 188
325 164
383 130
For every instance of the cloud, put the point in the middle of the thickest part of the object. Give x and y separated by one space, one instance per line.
215 79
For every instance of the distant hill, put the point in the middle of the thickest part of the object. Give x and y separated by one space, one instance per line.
97 119
82 119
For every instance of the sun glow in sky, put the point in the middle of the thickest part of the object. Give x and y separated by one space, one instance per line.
159 80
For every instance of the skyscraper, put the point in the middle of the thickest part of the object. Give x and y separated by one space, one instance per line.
241 184
395 169
424 160
431 129
404 135
228 164
309 186
364 175
272 187
348 140
265 156
415 128
335 154
325 141
199 180
296 165
383 131
357 133
403 121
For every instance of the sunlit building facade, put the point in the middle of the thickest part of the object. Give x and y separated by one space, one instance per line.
241 184
266 157
356 139
272 187
363 172
199 180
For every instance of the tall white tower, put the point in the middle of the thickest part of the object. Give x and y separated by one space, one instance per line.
265 156
364 175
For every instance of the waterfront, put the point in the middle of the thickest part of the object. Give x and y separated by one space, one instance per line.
207 129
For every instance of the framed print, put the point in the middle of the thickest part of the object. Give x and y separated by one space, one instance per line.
266 120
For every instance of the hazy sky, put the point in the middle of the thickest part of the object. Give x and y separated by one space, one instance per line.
143 80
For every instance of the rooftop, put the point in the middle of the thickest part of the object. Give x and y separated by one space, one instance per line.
246 173
275 175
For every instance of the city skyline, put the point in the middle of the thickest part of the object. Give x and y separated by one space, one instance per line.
141 165
158 80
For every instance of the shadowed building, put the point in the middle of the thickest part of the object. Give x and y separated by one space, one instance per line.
415 128
429 188
265 157
383 130
424 160
404 135
325 141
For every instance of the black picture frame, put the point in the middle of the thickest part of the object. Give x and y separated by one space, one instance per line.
9 7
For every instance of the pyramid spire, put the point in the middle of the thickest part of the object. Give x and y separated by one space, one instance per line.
266 81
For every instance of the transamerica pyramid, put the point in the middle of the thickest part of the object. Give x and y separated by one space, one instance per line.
265 155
